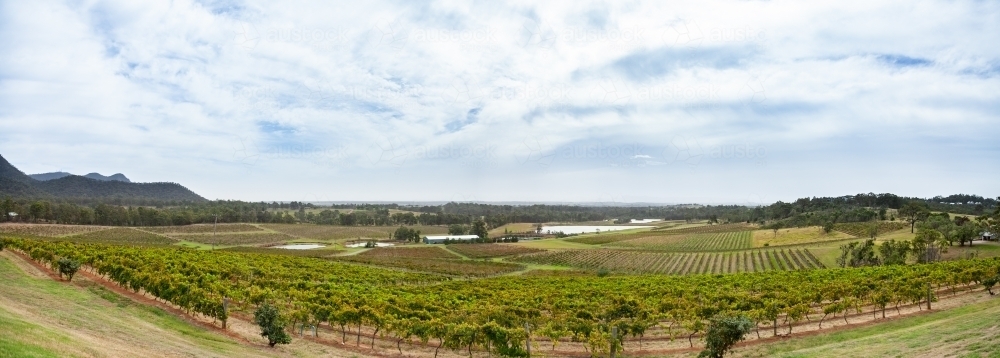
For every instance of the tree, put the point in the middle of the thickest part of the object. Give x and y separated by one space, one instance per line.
272 325
777 226
923 245
457 229
894 252
913 212
857 254
68 267
479 229
827 227
966 233
723 333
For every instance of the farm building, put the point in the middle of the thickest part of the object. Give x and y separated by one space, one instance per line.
440 239
988 236
643 221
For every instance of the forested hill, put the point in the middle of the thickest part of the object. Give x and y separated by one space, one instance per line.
16 184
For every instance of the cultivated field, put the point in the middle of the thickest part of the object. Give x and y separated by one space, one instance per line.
612 237
125 236
202 228
722 241
482 251
861 229
451 267
272 251
677 263
47 230
233 239
422 252
333 233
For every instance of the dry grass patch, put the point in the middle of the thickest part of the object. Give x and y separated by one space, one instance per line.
795 236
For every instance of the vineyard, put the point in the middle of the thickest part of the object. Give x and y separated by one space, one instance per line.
483 251
677 263
285 252
861 229
47 230
330 232
451 267
431 252
722 241
202 228
124 236
710 229
613 237
491 314
231 239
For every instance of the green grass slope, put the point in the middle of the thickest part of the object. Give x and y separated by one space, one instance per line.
968 331
40 317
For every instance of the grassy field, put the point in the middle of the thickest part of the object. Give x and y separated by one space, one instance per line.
795 236
516 227
968 331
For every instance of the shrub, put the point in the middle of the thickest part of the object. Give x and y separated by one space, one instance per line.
68 267
272 325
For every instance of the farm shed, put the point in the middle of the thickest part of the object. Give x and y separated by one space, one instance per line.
988 236
440 239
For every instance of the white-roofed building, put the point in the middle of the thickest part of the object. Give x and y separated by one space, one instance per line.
440 239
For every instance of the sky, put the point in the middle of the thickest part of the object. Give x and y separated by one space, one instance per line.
573 101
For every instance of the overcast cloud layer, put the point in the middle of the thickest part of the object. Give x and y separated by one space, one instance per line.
713 102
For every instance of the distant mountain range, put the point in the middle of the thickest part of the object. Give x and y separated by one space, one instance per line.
96 176
93 186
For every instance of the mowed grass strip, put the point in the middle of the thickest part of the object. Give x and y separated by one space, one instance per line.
482 251
48 230
676 263
422 252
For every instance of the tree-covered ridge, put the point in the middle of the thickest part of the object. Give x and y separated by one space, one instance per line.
78 189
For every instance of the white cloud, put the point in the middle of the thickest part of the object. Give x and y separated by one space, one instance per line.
170 91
